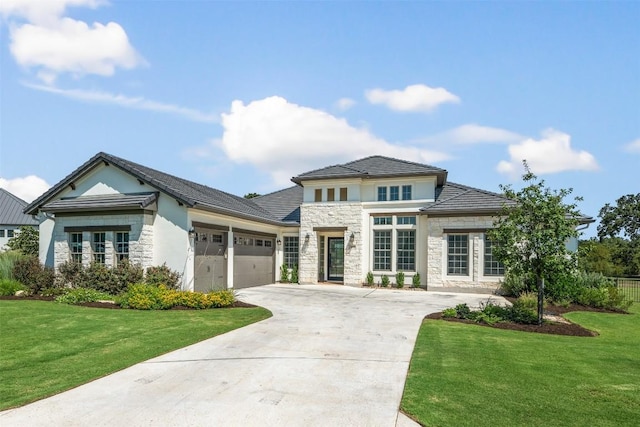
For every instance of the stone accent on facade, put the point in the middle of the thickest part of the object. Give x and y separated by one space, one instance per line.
326 215
140 238
474 227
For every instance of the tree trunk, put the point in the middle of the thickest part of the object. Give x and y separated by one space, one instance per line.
540 299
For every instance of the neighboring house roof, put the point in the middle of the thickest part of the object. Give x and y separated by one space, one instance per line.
373 167
11 210
284 204
455 199
102 202
189 193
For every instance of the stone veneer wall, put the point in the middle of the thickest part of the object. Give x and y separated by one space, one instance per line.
331 215
437 253
140 237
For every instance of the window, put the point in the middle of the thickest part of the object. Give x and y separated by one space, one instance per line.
1 233
331 194
290 251
122 246
343 194
75 247
458 254
9 233
406 192
268 243
318 195
492 267
406 253
381 220
394 192
382 250
382 194
259 242
406 220
98 246
216 238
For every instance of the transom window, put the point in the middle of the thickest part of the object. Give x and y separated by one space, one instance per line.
290 250
458 254
406 252
382 220
122 246
75 247
406 220
382 250
492 266
99 247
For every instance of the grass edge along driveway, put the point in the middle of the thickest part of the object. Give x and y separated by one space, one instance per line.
469 375
47 348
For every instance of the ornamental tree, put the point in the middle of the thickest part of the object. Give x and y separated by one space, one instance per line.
621 219
530 234
26 240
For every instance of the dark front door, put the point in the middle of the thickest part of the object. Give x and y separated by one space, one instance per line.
336 259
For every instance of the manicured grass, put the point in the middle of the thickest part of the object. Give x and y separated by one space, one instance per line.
468 375
47 347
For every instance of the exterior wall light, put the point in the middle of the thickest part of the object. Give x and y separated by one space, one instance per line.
278 242
306 237
192 233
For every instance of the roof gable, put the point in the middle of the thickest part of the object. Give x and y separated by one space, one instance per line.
373 167
11 210
189 193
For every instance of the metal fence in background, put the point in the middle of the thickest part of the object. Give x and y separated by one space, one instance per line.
629 287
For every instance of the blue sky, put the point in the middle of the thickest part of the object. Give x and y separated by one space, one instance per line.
242 96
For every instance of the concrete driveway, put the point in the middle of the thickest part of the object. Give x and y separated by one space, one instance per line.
329 356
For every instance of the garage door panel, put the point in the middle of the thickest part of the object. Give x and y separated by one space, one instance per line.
253 261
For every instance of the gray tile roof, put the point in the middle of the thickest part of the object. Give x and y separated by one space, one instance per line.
373 167
101 202
452 199
11 210
187 192
284 204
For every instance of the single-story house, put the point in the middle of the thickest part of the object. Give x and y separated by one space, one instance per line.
12 217
376 214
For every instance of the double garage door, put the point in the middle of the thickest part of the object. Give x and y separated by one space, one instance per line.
253 261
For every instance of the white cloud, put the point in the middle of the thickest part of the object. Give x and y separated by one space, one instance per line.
550 154
633 146
283 139
412 98
344 104
138 103
28 188
53 44
473 134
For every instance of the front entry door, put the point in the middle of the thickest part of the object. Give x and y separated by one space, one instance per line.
336 259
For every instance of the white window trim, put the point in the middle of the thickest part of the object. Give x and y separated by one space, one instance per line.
394 227
470 258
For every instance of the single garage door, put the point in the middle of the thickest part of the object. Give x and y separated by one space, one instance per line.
253 260
210 264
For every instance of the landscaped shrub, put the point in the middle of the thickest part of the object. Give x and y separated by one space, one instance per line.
284 273
294 274
400 279
100 277
70 274
449 313
9 287
7 261
148 297
521 312
369 279
33 275
462 311
565 287
82 295
513 285
384 281
162 275
415 280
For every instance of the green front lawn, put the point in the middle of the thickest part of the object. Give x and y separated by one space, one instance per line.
46 347
468 375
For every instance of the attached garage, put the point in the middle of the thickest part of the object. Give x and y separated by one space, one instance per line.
254 259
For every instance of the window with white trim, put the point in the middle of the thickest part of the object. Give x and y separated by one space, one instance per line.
9 233
382 220
75 247
492 266
458 254
406 192
290 250
394 193
406 250
1 233
98 246
382 250
382 194
394 243
122 246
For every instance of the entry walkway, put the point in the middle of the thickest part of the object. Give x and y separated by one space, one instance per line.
329 356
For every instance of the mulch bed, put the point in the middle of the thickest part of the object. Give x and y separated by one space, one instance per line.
548 327
109 305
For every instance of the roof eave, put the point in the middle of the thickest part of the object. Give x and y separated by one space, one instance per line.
230 212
